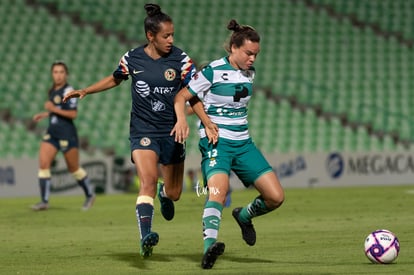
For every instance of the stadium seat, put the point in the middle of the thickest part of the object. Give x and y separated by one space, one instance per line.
306 54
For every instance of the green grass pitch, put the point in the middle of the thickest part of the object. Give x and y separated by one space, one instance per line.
316 231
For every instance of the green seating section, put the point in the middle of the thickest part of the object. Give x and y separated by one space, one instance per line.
282 128
390 15
304 53
32 40
15 140
347 69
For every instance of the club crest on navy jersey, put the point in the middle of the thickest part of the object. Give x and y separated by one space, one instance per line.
57 99
170 74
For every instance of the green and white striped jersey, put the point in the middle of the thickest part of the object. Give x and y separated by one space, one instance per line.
225 93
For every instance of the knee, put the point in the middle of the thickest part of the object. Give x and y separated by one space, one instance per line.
174 195
79 174
275 201
173 192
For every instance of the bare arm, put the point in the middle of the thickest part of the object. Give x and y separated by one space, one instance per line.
71 114
210 127
39 116
100 86
181 128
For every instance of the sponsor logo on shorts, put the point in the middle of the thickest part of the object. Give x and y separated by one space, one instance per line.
145 141
63 143
213 162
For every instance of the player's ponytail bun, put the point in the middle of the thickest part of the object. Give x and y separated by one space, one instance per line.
240 34
152 9
234 26
154 18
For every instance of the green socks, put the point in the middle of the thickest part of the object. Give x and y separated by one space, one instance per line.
256 208
211 222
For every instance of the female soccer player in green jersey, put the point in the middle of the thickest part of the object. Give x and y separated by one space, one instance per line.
225 143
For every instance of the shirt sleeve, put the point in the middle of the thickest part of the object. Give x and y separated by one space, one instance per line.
71 104
201 82
187 69
122 71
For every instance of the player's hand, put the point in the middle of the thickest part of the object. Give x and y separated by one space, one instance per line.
49 106
212 132
181 131
40 116
75 93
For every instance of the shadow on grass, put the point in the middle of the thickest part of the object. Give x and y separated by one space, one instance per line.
50 209
135 260
245 259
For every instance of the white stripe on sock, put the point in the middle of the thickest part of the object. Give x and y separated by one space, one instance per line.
210 234
211 212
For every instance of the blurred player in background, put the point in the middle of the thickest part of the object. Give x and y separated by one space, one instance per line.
158 71
225 142
61 135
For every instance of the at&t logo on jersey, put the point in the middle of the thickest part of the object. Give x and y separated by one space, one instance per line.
142 88
163 90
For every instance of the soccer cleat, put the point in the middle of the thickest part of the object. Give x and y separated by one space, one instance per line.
40 206
88 202
211 255
147 243
167 205
248 232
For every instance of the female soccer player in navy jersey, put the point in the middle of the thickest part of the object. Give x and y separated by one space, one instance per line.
158 71
225 143
61 135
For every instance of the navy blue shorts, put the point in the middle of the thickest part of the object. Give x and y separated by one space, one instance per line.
168 151
60 144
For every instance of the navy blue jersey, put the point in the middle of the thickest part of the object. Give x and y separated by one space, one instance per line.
62 127
153 88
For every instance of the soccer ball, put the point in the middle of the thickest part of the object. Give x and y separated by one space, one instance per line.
382 246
